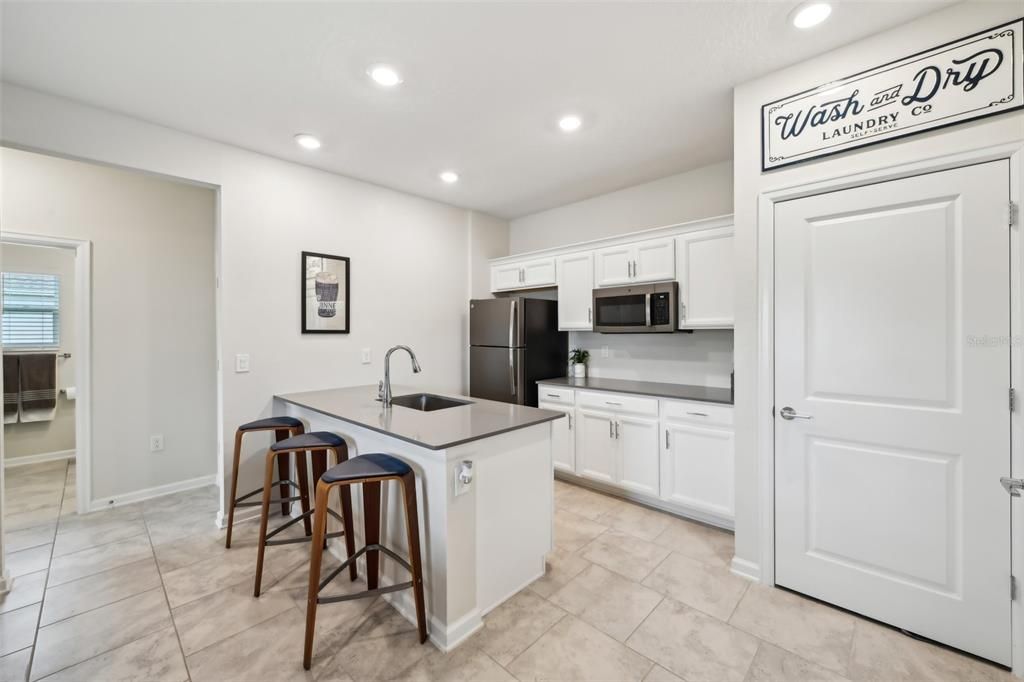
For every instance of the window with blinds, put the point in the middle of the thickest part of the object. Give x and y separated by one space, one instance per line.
31 310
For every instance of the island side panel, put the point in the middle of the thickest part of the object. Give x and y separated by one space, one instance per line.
511 500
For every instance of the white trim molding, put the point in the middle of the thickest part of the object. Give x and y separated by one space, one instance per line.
25 460
150 493
745 569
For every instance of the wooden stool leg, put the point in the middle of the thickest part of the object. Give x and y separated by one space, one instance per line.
412 524
268 479
316 552
234 487
282 474
349 528
300 465
371 518
319 465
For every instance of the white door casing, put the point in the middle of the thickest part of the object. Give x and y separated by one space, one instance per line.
890 300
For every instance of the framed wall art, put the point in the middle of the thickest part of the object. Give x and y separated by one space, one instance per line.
325 293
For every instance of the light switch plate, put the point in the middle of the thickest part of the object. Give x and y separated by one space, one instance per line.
367 356
241 363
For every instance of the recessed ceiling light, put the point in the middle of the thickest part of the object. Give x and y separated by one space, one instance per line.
811 14
449 177
570 123
384 75
307 141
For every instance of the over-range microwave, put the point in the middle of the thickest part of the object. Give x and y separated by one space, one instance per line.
643 308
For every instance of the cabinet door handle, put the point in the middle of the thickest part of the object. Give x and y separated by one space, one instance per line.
590 315
616 430
666 439
570 421
611 431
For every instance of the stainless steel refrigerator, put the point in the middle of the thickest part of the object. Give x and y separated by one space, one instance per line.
513 343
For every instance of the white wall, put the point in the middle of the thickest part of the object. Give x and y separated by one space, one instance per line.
930 31
703 358
409 257
701 193
57 435
153 340
488 238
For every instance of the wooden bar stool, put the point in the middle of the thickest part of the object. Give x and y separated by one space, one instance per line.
319 442
370 471
283 427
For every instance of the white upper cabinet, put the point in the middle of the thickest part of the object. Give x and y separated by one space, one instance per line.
575 291
539 272
655 260
506 276
704 266
526 274
650 260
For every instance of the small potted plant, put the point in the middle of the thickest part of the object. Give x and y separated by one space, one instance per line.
578 359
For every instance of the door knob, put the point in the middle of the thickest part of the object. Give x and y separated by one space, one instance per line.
789 414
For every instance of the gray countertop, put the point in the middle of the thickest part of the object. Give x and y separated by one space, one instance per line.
705 394
433 430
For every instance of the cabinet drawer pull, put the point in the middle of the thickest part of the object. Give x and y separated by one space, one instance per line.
609 402
555 396
698 414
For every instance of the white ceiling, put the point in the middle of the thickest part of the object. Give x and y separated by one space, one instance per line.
484 82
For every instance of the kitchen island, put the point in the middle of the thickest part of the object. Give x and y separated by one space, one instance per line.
482 541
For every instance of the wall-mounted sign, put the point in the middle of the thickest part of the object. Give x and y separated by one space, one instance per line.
977 76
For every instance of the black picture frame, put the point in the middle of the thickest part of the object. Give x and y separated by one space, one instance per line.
315 300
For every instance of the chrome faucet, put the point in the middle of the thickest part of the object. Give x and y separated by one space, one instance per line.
384 388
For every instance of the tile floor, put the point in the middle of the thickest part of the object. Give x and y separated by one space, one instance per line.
148 592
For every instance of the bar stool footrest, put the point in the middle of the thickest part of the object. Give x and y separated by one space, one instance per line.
363 550
259 491
365 593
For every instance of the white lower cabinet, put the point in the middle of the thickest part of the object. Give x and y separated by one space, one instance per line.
638 456
564 439
673 454
595 445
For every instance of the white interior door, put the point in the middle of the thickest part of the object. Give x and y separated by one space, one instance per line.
887 492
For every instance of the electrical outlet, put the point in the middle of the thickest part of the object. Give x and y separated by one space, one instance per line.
367 356
241 363
604 351
156 443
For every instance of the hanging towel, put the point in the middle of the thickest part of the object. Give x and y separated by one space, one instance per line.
11 383
38 387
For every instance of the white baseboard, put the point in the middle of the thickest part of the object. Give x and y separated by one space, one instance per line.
149 493
746 569
249 514
10 462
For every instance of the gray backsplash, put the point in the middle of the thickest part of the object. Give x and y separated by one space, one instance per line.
703 358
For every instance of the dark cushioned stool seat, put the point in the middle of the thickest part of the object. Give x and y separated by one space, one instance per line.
309 441
371 465
271 423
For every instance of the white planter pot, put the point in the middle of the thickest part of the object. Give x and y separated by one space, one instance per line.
579 370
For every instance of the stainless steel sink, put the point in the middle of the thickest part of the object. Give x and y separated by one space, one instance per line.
426 402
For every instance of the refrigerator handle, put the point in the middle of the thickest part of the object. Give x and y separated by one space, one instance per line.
512 368
512 324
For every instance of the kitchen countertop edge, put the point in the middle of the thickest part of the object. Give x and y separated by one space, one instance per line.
646 388
443 446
